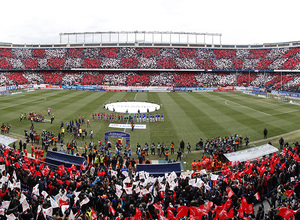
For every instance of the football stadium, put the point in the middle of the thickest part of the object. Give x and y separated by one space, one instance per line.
135 127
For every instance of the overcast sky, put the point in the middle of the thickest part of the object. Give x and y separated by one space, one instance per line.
239 21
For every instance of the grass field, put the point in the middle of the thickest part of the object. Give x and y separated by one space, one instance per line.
187 116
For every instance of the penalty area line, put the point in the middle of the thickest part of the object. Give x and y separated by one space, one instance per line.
243 106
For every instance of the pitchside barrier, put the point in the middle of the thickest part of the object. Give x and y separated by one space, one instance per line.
159 169
54 159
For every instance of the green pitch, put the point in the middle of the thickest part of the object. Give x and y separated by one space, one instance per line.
187 116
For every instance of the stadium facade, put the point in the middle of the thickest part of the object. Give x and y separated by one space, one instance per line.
136 61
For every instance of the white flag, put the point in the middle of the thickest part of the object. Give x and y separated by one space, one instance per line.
64 208
154 192
71 216
118 187
10 185
25 205
144 191
213 177
202 172
113 173
5 204
47 212
11 217
77 194
128 190
182 176
137 190
36 190
192 182
125 173
126 180
85 201
2 168
45 194
160 179
2 211
17 185
14 175
53 203
23 198
119 193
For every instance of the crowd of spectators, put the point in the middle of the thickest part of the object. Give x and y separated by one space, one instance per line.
110 188
149 58
271 81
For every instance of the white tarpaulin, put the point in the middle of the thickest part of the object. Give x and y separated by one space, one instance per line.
6 140
251 153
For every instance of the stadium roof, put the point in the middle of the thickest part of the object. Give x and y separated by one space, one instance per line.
146 39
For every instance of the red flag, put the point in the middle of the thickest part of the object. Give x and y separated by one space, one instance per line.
60 182
256 195
262 171
229 192
45 172
101 173
241 212
182 212
82 167
272 169
227 204
42 166
78 184
111 209
36 161
198 211
37 173
61 167
1 159
17 164
285 212
222 215
32 168
68 182
93 214
230 213
69 170
289 193
138 215
62 202
296 157
170 215
7 162
248 208
71 175
73 167
60 172
282 165
51 173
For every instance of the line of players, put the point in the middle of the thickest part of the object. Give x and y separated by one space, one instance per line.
133 117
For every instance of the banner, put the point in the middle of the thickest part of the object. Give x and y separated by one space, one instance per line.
127 126
251 153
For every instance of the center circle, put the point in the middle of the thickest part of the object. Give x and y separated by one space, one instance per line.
132 107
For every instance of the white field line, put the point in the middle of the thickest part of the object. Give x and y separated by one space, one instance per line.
269 103
24 103
135 96
285 112
243 106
